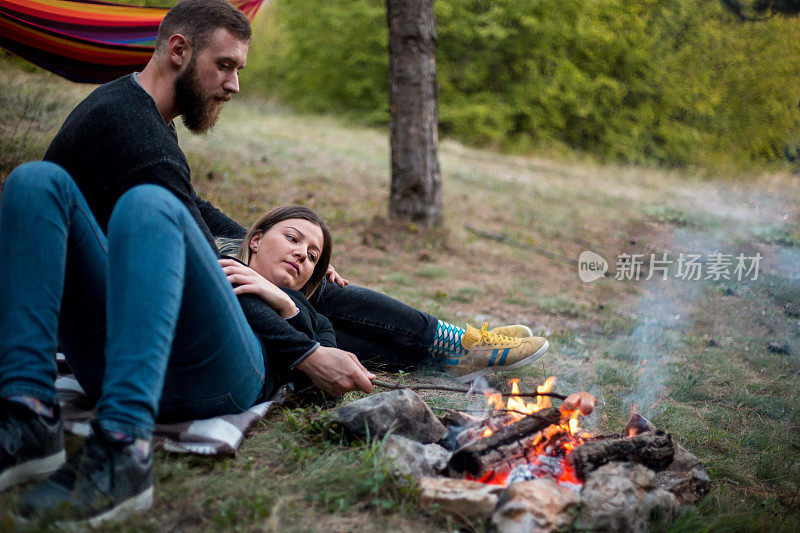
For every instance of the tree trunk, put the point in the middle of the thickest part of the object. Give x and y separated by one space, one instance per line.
416 183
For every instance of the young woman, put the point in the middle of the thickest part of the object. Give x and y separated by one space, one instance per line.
283 259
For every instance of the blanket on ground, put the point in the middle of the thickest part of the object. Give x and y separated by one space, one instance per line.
220 435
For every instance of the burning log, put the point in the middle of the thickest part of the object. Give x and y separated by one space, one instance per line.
504 447
653 449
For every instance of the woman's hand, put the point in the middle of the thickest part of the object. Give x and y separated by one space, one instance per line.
248 281
336 371
334 277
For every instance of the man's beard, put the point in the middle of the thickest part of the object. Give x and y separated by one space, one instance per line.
199 111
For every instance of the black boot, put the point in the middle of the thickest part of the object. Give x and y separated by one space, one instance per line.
105 479
31 445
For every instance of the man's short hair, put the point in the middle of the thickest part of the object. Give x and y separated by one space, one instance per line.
197 20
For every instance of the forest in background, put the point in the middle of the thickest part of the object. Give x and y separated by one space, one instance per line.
670 82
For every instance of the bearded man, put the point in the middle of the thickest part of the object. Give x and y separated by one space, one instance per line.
107 252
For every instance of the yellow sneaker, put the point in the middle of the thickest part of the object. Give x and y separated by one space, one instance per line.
488 351
516 330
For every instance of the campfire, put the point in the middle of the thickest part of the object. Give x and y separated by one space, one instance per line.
545 451
527 464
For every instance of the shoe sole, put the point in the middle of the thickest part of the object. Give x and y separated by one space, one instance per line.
33 469
140 502
466 378
135 504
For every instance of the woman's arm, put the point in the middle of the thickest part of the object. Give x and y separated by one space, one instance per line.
332 370
325 333
245 280
310 322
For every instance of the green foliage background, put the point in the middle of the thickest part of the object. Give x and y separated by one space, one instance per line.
666 81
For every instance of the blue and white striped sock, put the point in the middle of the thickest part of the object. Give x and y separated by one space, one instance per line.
446 347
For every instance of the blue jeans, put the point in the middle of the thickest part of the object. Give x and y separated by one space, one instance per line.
145 316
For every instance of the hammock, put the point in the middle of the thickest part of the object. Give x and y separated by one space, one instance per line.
87 41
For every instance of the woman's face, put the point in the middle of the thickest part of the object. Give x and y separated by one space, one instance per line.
287 253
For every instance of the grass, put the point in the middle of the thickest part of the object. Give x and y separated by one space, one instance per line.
782 236
30 112
693 356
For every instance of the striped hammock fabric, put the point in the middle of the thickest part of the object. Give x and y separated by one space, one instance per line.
87 41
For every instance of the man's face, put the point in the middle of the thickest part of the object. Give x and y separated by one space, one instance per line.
209 80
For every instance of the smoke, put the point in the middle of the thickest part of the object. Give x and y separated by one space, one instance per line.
664 313
787 264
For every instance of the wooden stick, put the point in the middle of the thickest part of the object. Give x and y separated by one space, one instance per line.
493 411
388 385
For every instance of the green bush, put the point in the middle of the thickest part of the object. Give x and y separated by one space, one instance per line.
323 56
667 81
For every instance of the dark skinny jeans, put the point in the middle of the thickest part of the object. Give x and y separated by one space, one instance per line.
384 333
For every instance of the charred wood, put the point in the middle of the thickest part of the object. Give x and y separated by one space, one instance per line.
460 419
652 449
504 447
637 425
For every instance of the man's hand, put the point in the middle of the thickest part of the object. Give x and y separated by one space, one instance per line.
248 281
582 401
334 277
336 371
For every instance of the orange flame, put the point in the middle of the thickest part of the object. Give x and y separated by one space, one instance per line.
490 478
495 399
517 409
569 475
555 440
